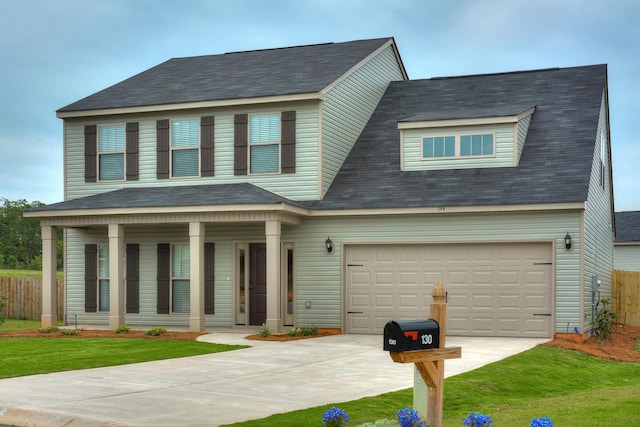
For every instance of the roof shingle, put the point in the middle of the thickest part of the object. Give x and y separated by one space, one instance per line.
240 75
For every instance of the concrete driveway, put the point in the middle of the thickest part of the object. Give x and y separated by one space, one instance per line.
223 388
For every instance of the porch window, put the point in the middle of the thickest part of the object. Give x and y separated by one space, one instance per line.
264 142
185 148
288 270
180 271
103 278
111 152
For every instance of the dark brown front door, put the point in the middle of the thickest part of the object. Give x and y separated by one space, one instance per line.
257 283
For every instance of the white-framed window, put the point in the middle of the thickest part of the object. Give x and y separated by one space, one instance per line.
264 143
458 146
180 273
288 282
185 148
111 152
603 158
103 278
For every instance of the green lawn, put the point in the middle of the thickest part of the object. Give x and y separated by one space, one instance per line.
572 388
28 356
27 274
11 325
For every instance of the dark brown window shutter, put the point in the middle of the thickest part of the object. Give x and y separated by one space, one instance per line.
133 278
162 149
132 151
288 136
206 146
164 277
209 273
91 278
90 153
240 142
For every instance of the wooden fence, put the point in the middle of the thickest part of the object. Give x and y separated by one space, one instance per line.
626 296
24 298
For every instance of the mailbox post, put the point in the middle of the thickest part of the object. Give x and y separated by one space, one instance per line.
427 357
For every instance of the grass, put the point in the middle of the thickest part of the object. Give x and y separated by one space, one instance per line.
11 325
29 356
572 388
27 274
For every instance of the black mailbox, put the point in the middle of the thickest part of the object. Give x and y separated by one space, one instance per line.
408 335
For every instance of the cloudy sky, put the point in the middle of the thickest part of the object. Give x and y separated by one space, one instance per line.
55 52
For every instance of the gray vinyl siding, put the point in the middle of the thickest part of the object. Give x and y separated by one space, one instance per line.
320 279
412 148
348 107
303 185
319 274
626 257
598 233
523 129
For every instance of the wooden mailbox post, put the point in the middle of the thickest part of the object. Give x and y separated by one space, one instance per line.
430 363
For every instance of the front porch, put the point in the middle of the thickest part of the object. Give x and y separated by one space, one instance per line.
118 230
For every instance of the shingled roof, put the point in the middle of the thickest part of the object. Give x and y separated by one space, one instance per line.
239 75
555 165
628 227
186 195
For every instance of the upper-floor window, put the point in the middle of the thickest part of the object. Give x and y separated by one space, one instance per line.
111 152
185 146
603 158
452 146
264 143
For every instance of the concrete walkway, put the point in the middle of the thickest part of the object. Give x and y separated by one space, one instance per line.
223 388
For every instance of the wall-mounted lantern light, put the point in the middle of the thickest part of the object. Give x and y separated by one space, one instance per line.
329 245
567 241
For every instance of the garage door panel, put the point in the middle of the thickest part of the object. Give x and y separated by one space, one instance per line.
408 300
408 278
384 301
384 278
493 289
483 277
509 301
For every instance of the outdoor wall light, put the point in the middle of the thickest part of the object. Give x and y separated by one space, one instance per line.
567 241
329 245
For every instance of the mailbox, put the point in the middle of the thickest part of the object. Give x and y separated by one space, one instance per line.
408 335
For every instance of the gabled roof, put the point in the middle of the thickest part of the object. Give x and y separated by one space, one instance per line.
628 227
555 165
239 75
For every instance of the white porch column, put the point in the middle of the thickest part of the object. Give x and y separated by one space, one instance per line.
116 276
49 316
274 299
196 278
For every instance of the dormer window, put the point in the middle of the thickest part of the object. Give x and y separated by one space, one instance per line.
452 146
432 141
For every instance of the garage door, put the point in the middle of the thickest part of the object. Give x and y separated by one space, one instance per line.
493 289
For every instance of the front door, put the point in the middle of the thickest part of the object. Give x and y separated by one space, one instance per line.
257 283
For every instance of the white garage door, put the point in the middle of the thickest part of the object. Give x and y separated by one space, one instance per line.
493 289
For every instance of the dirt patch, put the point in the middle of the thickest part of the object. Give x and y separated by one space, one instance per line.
95 333
621 347
285 337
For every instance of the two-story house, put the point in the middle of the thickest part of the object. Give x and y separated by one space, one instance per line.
626 252
317 185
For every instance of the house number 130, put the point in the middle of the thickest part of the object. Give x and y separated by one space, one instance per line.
427 339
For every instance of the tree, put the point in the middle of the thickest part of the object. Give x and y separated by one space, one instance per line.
20 237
